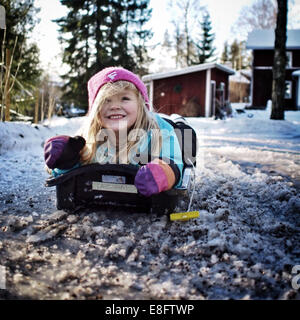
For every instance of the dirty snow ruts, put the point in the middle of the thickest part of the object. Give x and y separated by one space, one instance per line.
243 245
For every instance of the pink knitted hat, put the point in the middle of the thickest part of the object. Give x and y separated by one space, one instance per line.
113 74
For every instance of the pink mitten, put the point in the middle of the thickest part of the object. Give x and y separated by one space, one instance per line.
154 177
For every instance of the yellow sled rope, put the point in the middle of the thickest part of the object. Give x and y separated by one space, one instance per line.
185 216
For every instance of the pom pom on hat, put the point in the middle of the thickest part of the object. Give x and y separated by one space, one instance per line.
113 74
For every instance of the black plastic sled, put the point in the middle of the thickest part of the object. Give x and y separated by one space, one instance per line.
107 185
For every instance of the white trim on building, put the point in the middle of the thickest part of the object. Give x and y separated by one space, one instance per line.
196 68
207 92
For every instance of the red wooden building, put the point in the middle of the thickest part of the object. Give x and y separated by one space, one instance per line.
193 91
262 44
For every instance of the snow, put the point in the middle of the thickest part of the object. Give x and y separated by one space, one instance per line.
265 39
243 245
239 77
21 136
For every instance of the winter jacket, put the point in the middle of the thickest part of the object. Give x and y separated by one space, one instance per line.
170 152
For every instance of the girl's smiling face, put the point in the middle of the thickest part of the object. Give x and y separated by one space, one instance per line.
120 111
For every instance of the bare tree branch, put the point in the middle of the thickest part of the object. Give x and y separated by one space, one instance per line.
7 78
18 67
260 15
1 80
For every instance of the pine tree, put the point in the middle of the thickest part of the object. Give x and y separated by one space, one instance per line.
205 48
238 55
235 54
103 33
225 54
20 21
185 15
79 25
140 14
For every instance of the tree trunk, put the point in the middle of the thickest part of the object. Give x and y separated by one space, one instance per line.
278 85
7 85
42 106
36 108
98 36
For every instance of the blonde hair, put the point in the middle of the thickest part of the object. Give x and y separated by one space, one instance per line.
93 126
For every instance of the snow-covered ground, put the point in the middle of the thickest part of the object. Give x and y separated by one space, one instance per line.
244 244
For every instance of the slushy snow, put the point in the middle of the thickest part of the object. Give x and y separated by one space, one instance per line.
244 244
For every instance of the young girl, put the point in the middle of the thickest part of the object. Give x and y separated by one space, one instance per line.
121 129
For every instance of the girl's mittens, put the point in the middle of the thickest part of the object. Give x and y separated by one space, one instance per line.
154 177
62 152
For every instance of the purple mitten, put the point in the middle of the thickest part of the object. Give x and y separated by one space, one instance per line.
151 179
62 152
